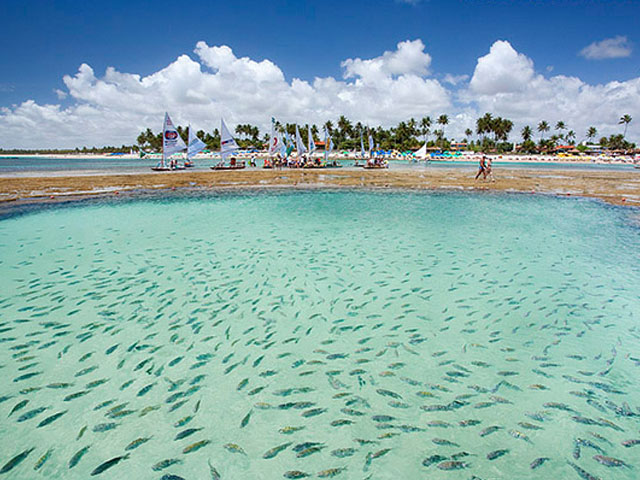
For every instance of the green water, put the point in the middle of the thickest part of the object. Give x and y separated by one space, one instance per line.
240 315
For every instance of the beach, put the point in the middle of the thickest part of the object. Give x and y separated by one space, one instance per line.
614 187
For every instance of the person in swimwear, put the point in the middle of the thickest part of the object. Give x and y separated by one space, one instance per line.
482 168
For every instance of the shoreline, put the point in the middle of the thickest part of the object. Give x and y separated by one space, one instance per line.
468 157
613 187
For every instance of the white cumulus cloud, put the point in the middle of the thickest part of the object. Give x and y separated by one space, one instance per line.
616 47
505 83
112 108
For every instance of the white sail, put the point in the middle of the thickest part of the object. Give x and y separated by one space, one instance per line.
422 152
228 144
285 144
361 146
310 143
275 140
195 144
299 143
328 145
370 145
171 140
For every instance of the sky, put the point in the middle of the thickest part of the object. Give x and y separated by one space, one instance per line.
78 73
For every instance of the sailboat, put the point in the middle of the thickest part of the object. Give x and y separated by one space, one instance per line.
421 154
301 149
328 147
194 147
171 143
228 146
375 162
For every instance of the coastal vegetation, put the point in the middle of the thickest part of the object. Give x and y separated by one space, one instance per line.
492 134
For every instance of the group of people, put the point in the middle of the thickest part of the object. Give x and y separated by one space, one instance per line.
484 169
303 161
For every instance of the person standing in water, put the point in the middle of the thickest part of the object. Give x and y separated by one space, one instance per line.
488 170
481 168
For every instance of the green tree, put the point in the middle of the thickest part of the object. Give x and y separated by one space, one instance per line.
626 120
526 133
591 133
543 127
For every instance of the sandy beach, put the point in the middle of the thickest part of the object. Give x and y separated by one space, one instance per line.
618 188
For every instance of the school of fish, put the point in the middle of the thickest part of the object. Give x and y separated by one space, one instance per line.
385 351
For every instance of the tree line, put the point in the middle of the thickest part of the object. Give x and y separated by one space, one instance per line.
491 134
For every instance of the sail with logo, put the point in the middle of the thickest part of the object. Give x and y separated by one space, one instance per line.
228 146
194 147
171 143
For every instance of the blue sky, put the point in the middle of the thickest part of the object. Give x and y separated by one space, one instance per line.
45 40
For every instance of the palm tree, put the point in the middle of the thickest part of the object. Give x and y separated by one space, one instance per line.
571 136
591 133
543 127
467 133
425 125
443 120
526 133
560 126
626 119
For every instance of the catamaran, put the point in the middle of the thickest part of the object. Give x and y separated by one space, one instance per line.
375 162
228 146
171 143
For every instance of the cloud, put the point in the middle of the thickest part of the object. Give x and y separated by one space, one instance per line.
115 107
455 79
616 47
505 83
111 109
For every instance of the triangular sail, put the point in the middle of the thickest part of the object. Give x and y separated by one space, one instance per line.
422 152
195 144
228 144
312 145
361 146
299 143
370 145
287 145
275 140
171 140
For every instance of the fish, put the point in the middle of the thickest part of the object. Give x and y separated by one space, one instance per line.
452 465
295 474
433 459
137 442
15 461
610 461
21 404
186 433
213 472
289 430
583 473
51 419
196 446
165 464
343 452
233 448
30 414
245 420
331 472
108 464
497 454
272 452
78 456
538 462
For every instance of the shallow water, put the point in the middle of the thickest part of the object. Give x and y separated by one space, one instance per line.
240 315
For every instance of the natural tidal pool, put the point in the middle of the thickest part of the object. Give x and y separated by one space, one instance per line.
351 335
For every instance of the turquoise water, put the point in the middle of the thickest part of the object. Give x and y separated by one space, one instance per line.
402 334
116 164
